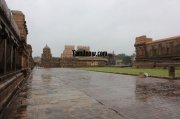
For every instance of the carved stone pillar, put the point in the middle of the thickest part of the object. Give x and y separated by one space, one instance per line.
12 53
15 59
5 50
1 56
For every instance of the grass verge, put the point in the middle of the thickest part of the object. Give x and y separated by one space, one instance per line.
132 71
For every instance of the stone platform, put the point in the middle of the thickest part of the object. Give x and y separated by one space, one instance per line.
64 93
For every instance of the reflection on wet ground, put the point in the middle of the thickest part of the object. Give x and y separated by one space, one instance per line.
74 94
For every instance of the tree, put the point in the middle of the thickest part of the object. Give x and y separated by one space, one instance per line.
121 56
126 59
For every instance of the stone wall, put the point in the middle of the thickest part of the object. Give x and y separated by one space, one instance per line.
14 55
21 23
83 62
68 60
158 53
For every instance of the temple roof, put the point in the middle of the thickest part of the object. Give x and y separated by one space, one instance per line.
47 46
165 39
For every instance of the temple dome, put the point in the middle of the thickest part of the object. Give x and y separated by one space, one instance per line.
46 47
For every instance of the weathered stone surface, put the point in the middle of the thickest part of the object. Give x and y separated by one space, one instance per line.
47 60
67 53
19 18
15 54
86 48
74 94
68 60
159 53
50 98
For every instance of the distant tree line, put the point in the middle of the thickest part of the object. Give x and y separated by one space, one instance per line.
126 59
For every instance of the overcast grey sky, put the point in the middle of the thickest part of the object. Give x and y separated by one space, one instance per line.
101 24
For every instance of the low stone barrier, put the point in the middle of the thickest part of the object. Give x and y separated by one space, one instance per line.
9 85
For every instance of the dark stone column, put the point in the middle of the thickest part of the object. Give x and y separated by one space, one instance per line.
8 55
15 61
5 50
171 72
1 56
12 57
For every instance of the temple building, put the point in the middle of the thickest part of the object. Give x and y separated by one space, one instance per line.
30 58
15 55
47 60
68 60
158 53
21 23
13 40
86 48
46 57
90 61
19 19
67 53
46 53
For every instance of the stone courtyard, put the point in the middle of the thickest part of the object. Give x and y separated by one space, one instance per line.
63 93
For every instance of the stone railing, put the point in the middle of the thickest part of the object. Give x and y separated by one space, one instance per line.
9 85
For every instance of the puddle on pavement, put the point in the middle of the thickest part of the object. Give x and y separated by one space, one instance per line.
124 94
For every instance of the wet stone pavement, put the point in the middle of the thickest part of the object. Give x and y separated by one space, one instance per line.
75 94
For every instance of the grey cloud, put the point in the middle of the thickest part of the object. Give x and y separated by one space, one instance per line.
101 24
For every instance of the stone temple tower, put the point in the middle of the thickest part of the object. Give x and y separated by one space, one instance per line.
46 57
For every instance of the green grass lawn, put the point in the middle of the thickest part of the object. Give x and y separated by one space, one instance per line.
130 70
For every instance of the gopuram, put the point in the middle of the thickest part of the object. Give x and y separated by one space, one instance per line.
159 53
67 53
